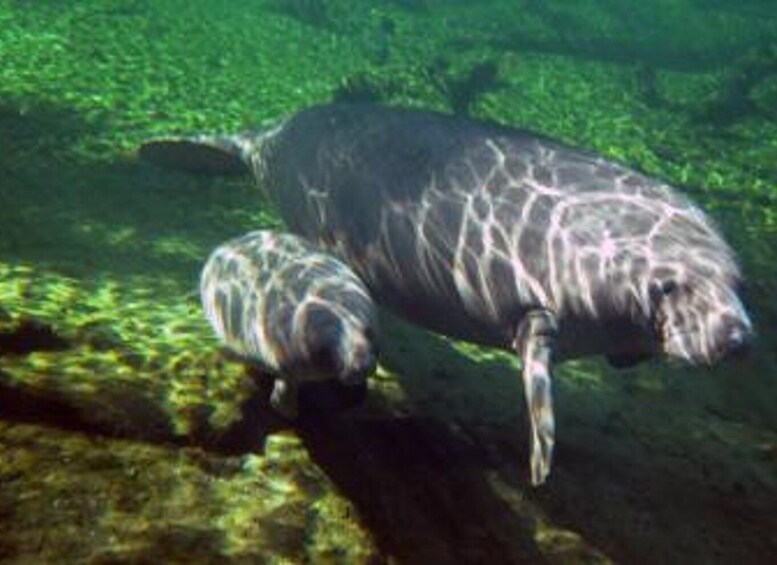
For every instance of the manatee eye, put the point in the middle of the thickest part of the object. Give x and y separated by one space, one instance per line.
662 289
668 287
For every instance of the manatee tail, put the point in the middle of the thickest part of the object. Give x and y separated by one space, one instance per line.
211 155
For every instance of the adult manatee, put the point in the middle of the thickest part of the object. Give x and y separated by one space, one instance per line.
497 236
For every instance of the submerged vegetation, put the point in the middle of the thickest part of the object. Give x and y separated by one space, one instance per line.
126 435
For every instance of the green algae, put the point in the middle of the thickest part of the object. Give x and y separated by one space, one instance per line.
102 501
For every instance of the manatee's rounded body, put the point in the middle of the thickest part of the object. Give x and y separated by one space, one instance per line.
464 227
497 236
299 313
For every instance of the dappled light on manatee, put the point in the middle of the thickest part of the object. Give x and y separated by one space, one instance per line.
132 431
497 236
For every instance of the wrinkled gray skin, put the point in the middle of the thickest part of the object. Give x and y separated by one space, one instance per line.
496 236
299 313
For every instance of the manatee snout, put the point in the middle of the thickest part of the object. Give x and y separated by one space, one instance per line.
731 331
347 355
342 346
734 337
703 321
360 358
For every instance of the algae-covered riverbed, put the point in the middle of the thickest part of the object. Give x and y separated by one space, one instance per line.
127 435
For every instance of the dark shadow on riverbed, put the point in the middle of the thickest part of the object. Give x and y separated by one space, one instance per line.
85 216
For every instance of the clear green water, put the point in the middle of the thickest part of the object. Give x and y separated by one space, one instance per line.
126 436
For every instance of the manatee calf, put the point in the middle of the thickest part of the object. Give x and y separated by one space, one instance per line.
497 236
299 313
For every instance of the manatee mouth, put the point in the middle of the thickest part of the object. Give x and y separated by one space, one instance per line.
686 346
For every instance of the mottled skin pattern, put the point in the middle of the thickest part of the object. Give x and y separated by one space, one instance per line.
499 236
299 313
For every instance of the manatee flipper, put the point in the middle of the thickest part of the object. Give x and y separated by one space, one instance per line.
211 155
284 398
535 341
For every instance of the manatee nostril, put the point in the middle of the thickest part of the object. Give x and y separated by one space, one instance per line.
737 340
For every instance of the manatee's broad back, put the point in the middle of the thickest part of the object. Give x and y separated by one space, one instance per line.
502 237
464 227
